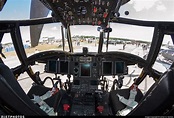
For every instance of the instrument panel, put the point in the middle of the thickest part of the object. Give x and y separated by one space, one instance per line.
86 66
86 70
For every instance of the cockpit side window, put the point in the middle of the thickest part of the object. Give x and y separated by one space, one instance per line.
131 39
165 56
9 51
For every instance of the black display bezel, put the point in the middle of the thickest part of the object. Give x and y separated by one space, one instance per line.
116 67
48 66
89 69
111 68
63 67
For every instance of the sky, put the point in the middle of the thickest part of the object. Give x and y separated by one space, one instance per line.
161 10
16 9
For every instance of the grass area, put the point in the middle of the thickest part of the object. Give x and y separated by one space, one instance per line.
40 47
43 47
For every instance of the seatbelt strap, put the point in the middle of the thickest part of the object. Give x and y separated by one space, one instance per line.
133 92
131 103
50 93
43 105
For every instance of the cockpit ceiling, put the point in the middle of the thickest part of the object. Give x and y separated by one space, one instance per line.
124 2
83 12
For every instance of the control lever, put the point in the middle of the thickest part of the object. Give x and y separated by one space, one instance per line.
38 79
1 51
104 84
67 85
59 81
99 97
55 85
118 83
99 102
69 77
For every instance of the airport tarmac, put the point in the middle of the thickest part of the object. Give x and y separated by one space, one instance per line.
133 71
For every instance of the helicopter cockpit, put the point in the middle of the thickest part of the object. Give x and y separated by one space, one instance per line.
84 88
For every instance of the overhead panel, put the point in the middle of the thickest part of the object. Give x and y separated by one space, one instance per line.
82 12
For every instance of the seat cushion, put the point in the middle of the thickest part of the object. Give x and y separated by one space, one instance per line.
116 105
22 104
159 98
41 90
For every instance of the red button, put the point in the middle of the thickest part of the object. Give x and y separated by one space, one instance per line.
66 107
100 109
99 22
95 10
105 15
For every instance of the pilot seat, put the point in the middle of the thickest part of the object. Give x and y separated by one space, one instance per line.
13 100
158 100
